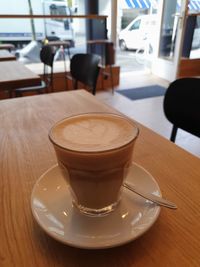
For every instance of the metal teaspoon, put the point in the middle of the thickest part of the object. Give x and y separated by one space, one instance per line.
155 199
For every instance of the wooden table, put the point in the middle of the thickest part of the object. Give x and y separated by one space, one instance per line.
26 152
7 46
14 74
5 55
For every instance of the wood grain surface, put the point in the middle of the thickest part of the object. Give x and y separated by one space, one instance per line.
5 55
14 74
26 153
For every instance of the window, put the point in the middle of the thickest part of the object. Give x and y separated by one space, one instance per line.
135 25
58 10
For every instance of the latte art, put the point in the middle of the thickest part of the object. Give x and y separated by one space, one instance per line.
93 132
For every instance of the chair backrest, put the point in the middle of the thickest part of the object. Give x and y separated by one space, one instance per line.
182 104
85 69
47 54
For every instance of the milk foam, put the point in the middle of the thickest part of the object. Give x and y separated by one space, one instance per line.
93 132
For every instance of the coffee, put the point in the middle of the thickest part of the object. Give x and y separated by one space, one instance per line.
93 151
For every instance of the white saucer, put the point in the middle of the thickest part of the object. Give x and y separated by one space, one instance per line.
52 208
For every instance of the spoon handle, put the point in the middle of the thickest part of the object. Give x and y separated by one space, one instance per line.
156 199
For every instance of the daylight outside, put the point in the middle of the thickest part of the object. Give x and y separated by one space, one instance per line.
136 21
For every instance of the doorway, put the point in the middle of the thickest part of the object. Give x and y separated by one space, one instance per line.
169 49
179 40
168 41
135 42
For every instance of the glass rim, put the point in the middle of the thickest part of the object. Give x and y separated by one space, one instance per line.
129 120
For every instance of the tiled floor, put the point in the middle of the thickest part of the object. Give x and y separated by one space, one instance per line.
149 111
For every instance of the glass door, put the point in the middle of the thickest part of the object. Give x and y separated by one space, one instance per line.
169 50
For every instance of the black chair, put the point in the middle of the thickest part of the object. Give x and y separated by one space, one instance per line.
106 49
84 68
47 54
182 106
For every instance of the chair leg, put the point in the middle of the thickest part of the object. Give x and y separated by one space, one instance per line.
65 68
40 92
173 134
10 92
74 84
45 77
52 81
111 79
18 94
94 90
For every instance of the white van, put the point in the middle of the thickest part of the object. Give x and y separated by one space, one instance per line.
19 31
135 34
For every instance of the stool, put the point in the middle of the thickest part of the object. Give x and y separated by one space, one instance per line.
60 47
107 52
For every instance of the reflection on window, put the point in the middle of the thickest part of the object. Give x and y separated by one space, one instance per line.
168 29
194 51
193 6
191 40
191 47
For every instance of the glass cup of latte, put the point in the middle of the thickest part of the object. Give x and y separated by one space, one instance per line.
94 151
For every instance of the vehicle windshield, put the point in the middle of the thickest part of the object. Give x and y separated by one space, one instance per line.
59 10
135 25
